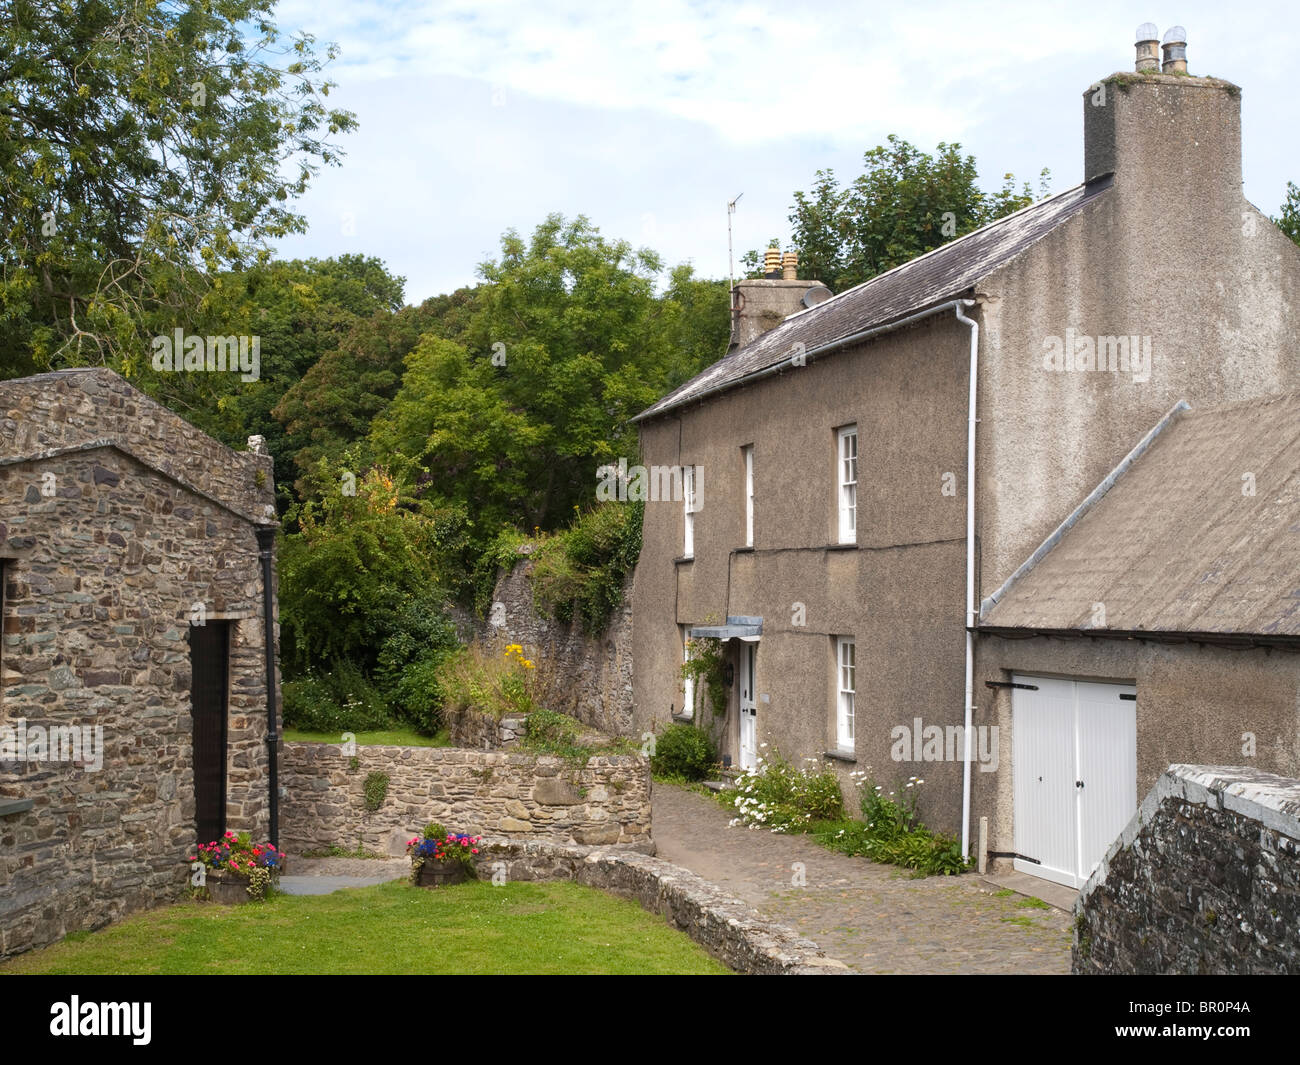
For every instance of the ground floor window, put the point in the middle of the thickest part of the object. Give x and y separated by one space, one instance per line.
688 684
846 670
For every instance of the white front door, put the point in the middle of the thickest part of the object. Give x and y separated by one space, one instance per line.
1075 773
748 708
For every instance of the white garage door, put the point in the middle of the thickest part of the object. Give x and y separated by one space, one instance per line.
1075 773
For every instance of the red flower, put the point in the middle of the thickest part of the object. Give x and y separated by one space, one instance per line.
475 850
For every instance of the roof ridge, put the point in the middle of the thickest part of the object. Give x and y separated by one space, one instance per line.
941 247
945 272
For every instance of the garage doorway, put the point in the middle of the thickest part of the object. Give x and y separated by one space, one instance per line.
1075 773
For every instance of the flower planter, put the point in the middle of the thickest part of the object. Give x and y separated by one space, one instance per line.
441 874
228 890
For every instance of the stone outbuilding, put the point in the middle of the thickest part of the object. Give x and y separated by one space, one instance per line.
136 568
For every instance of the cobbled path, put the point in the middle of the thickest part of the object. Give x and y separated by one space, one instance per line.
874 918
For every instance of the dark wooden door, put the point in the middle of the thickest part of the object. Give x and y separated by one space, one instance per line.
209 663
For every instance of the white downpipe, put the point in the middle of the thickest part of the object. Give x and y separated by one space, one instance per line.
970 571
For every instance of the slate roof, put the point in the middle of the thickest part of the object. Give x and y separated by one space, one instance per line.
1177 544
933 278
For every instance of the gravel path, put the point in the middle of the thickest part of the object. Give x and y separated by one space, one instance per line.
321 876
875 918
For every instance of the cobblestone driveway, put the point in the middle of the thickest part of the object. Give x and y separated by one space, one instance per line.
872 917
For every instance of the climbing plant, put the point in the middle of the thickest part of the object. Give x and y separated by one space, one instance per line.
376 788
706 663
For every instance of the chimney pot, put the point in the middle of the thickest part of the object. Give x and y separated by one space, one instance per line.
772 263
1175 48
790 266
1148 47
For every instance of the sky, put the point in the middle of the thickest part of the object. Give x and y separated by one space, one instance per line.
479 117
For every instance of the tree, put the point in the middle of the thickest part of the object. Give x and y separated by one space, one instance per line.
145 146
1289 220
301 311
696 313
512 419
332 405
905 203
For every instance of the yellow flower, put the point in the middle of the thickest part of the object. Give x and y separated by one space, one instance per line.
527 664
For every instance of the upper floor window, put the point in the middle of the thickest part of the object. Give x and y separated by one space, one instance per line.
846 445
748 452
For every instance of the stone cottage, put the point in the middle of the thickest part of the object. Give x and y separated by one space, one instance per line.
135 564
860 477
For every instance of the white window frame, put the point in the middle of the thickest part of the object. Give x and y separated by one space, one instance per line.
846 469
688 683
688 511
846 670
749 494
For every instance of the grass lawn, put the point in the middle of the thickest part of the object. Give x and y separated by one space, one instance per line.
397 737
538 928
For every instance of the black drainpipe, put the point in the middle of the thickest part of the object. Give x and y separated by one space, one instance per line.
266 552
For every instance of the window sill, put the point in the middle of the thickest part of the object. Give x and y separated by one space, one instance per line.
841 756
748 549
684 719
853 546
683 559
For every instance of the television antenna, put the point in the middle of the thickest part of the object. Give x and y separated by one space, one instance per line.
731 260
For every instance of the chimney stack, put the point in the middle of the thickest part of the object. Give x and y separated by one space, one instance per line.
1148 48
1170 141
762 303
1175 47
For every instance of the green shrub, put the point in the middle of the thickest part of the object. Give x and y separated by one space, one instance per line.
409 670
548 731
353 564
683 752
890 814
892 833
339 700
784 798
579 572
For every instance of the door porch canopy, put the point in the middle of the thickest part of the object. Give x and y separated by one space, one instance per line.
744 628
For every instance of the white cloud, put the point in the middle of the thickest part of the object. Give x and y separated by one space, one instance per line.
476 116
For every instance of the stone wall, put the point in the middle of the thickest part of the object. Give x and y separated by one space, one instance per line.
725 926
588 677
482 732
104 559
1205 879
490 793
